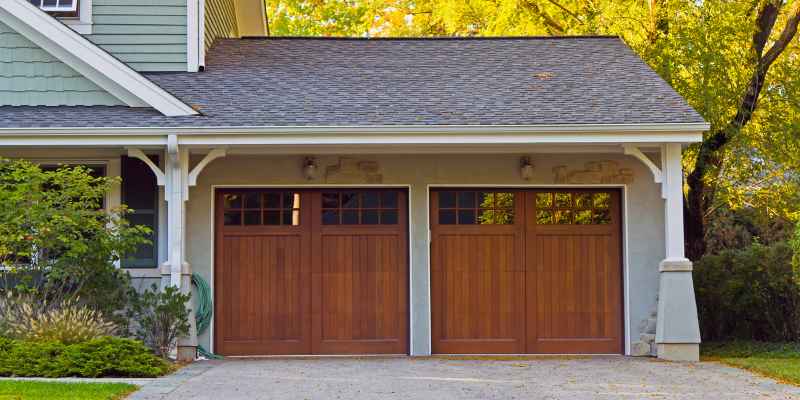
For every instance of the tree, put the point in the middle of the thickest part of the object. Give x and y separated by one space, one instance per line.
709 157
736 62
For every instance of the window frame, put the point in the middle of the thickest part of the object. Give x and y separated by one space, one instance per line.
79 20
130 262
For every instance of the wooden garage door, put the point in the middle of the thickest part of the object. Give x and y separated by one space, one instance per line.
311 272
535 271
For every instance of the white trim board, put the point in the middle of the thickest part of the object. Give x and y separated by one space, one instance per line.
632 133
434 139
89 60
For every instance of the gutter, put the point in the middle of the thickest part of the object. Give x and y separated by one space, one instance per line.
405 130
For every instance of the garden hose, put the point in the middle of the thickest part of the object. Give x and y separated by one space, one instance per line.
204 311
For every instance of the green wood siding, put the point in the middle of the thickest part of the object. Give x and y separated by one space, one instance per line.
31 76
220 21
148 35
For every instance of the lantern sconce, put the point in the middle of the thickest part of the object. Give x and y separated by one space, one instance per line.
526 168
310 169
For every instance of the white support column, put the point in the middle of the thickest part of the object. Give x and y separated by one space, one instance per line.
677 331
180 272
177 179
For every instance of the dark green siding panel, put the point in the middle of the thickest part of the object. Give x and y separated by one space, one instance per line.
29 76
148 35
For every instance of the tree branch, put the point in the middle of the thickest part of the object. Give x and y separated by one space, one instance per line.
548 20
566 10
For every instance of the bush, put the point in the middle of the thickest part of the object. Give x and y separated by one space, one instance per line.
750 293
57 242
107 356
161 316
69 322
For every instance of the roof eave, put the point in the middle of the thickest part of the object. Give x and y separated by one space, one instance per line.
565 133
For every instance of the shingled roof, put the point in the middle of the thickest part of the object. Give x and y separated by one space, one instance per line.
375 82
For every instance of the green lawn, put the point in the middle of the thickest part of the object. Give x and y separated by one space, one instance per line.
776 360
31 390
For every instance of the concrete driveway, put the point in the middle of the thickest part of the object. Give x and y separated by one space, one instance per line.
444 379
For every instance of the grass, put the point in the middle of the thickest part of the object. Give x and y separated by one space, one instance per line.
780 361
35 390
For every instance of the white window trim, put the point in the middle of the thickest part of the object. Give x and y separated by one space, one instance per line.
82 24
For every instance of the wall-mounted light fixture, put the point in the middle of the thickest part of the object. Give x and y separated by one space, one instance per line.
526 168
310 169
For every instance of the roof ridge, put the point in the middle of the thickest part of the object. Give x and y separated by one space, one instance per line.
430 38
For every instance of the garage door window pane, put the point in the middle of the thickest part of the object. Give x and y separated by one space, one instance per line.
567 208
232 201
544 200
447 200
389 217
370 200
360 207
447 217
330 217
253 208
233 218
370 217
389 200
471 207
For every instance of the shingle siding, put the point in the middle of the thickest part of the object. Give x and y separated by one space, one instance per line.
220 21
31 76
148 35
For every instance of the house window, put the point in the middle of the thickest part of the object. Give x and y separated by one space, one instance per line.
140 194
59 8
77 14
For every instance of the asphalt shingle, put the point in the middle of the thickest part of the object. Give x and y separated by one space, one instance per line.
366 82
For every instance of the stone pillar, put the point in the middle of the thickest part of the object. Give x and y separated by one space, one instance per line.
677 330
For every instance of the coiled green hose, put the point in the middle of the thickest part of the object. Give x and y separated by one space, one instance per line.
204 311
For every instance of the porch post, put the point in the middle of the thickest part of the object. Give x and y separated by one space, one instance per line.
677 329
176 268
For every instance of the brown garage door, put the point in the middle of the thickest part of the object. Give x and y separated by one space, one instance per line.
535 271
311 272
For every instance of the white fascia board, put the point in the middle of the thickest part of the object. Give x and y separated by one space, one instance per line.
617 133
92 62
441 136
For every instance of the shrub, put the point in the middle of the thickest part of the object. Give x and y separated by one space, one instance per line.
106 356
749 294
68 322
57 241
161 316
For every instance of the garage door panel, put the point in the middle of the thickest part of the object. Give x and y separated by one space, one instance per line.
266 310
362 306
544 278
360 298
575 274
289 281
477 275
476 269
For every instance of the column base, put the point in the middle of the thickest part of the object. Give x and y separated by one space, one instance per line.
186 354
684 352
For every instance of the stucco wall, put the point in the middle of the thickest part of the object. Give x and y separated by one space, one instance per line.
643 235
